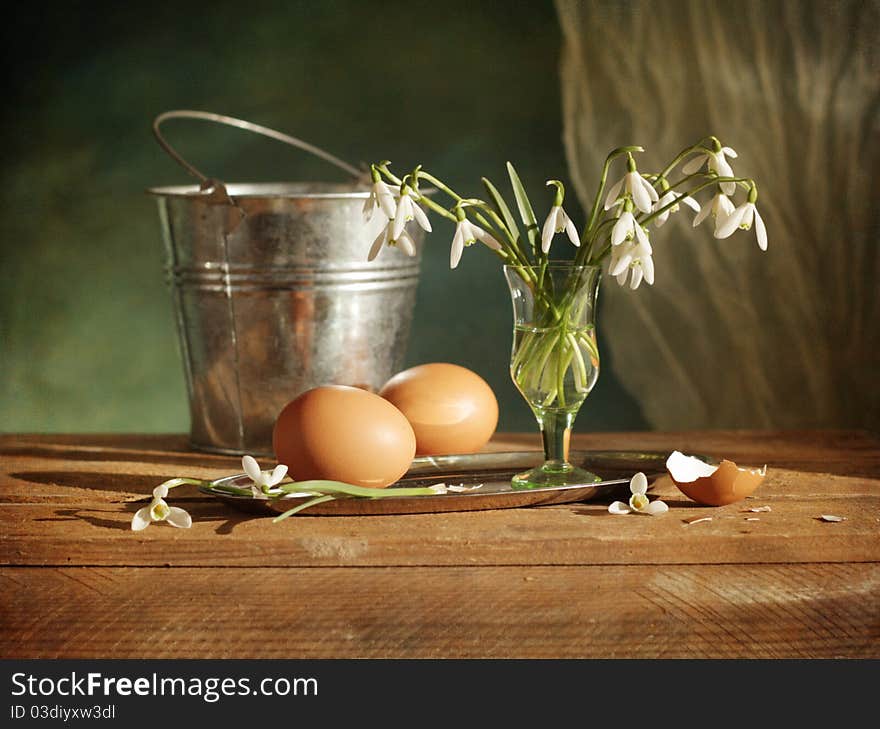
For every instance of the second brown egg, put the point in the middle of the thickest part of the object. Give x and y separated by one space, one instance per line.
451 408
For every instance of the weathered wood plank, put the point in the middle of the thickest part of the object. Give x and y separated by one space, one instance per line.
574 534
734 611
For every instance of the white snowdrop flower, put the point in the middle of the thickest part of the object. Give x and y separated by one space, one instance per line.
643 193
381 198
557 220
383 239
668 197
719 208
405 243
158 510
627 228
742 217
408 209
638 502
262 481
466 234
717 163
632 259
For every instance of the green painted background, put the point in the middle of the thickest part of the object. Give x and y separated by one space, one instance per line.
88 339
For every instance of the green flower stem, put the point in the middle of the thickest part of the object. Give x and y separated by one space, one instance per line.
175 482
698 147
299 507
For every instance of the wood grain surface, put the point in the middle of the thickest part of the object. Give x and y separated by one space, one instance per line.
559 581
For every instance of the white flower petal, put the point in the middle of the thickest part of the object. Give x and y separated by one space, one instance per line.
648 269
723 168
369 207
641 235
636 277
640 195
638 484
421 218
702 215
404 212
618 507
141 520
729 152
378 243
691 203
621 277
731 222
277 475
457 245
406 244
572 233
655 508
726 205
485 238
649 188
694 164
252 469
613 194
622 228
760 231
549 228
160 492
386 200
622 264
177 517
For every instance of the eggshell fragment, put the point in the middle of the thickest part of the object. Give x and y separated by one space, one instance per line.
451 408
344 434
712 485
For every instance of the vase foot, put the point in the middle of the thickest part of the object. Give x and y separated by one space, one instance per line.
549 476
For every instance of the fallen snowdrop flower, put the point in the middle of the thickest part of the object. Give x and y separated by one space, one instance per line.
757 509
262 481
158 510
638 502
752 518
831 517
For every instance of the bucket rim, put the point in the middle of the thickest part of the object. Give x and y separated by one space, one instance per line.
274 190
292 190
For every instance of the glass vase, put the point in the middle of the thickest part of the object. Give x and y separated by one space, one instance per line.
554 362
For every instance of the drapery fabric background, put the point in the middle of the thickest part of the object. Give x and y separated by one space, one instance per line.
729 336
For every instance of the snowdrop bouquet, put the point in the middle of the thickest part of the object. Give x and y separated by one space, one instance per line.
618 230
555 358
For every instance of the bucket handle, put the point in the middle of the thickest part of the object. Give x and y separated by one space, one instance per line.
247 126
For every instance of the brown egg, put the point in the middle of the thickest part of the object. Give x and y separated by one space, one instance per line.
344 434
712 485
451 409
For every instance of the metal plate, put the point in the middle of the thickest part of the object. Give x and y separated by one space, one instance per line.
492 471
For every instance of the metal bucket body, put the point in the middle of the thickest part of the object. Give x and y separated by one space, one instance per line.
274 296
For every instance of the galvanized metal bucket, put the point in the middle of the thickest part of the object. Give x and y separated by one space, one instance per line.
273 294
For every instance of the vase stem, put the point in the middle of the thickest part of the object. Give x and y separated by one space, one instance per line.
556 434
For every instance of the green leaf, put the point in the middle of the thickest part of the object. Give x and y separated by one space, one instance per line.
525 207
338 487
502 208
300 507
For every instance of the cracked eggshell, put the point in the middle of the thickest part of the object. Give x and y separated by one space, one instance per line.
712 485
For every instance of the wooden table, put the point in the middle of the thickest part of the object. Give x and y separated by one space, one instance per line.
558 581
